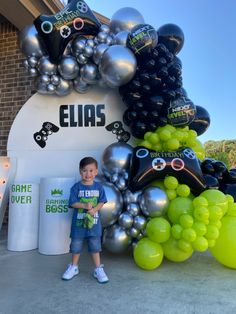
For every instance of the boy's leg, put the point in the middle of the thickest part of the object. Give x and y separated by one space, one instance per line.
75 259
96 259
94 246
72 269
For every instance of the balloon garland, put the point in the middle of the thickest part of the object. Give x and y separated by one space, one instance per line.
176 209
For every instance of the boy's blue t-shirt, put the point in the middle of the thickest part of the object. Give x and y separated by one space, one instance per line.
84 194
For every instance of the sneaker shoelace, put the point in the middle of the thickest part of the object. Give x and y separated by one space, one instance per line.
70 266
100 271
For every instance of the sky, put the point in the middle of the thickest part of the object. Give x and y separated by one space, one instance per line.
208 55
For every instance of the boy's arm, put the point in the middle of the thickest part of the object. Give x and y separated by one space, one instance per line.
87 206
93 210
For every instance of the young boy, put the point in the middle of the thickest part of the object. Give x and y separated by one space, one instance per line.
87 198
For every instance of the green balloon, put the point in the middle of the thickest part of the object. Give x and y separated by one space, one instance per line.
171 182
173 253
148 254
183 190
200 244
216 197
178 207
176 231
158 230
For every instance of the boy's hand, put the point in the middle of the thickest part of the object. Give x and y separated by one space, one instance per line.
89 206
92 211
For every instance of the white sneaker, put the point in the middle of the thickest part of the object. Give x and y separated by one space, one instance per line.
71 271
100 274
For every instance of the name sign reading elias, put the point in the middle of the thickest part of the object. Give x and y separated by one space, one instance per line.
88 115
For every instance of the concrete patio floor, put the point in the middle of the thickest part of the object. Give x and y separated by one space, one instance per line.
31 283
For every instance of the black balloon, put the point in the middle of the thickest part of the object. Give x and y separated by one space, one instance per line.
181 112
211 181
229 189
57 30
148 165
230 176
201 121
142 39
172 37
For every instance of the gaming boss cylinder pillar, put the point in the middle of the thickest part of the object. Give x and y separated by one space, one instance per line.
55 215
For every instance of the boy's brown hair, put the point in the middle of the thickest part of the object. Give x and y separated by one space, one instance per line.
87 161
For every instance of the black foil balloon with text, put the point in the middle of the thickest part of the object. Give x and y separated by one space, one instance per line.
181 112
141 39
201 122
57 30
148 165
172 36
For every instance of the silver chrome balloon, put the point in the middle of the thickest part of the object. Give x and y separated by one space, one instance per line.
88 51
133 209
89 73
133 232
121 38
33 61
26 64
125 220
102 37
98 52
82 59
113 178
153 202
41 87
80 86
45 66
33 72
116 157
51 88
139 222
109 40
30 43
55 79
45 79
130 197
125 19
115 239
78 45
68 68
112 209
64 87
104 28
117 66
121 183
90 43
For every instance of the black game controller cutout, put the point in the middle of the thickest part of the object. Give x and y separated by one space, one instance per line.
57 30
47 129
149 165
116 127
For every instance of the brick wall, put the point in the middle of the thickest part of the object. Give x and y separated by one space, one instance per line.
16 86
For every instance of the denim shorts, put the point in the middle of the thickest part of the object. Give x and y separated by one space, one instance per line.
94 245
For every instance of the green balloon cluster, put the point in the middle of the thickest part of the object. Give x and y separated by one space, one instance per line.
170 138
192 224
196 223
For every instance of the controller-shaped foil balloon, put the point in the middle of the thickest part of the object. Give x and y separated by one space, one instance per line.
148 165
58 29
